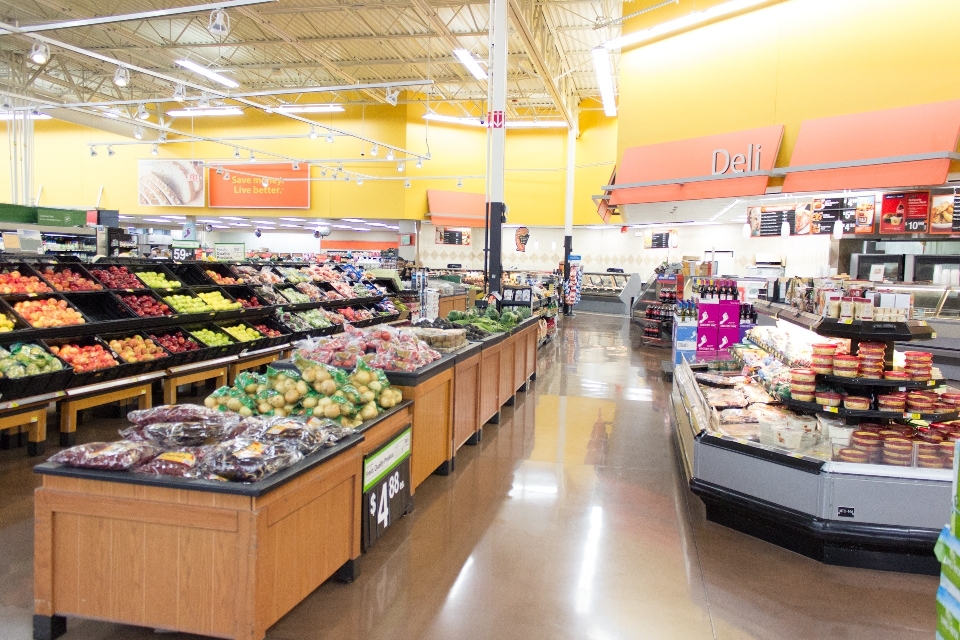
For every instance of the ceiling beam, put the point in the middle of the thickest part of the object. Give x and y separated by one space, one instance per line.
543 59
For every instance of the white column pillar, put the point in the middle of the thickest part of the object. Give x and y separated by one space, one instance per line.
496 207
568 208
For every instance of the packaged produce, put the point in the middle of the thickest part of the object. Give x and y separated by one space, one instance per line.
21 360
178 463
172 413
69 280
311 291
170 435
294 296
107 456
270 295
442 339
247 460
48 312
381 348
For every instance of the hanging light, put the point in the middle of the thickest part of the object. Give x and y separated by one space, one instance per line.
110 151
180 93
219 24
138 132
40 52
419 164
236 153
295 166
359 180
785 229
346 178
401 166
390 154
323 173
5 102
391 96
329 138
374 150
93 152
142 113
162 137
220 170
154 150
226 175
264 182
406 183
121 77
313 133
837 230
459 182
746 229
252 159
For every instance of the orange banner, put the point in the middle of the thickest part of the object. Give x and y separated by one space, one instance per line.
242 186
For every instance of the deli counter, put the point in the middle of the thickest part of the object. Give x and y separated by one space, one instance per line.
939 306
609 292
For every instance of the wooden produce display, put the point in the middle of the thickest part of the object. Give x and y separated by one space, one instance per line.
452 303
466 396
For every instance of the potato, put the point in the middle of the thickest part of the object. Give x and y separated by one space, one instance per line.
281 377
264 407
363 377
324 402
386 401
317 386
309 374
362 389
210 402
289 384
309 402
328 387
277 401
245 412
234 404
323 375
278 386
367 396
280 413
288 408
291 396
302 388
375 386
261 388
368 412
331 410
250 388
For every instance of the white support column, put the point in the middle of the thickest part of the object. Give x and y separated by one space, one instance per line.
496 208
20 148
568 208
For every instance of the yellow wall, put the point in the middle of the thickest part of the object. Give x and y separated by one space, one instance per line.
784 63
72 178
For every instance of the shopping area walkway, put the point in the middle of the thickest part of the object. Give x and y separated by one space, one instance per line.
570 520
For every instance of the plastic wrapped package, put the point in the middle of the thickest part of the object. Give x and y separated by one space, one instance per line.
173 413
719 398
738 416
292 432
170 435
248 460
756 394
181 463
107 456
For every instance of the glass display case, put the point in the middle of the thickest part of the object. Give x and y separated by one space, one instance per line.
604 284
935 269
861 265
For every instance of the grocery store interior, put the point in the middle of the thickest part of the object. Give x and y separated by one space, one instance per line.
515 318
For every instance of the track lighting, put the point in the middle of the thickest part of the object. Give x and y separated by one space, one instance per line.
154 150
40 52
220 171
204 101
346 178
401 166
226 175
406 183
236 153
323 173
110 151
391 96
313 133
138 132
374 150
121 77
390 155
93 152
295 166
5 102
142 113
180 93
252 159
162 137
330 138
459 182
219 24
359 180
419 164
264 182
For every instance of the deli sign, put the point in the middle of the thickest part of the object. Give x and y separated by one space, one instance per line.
678 170
739 163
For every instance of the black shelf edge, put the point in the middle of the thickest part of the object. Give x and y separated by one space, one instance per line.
854 413
799 462
878 382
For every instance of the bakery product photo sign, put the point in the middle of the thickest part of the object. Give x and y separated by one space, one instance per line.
170 183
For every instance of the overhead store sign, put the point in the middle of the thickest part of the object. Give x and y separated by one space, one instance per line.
709 167
890 148
456 208
170 183
244 188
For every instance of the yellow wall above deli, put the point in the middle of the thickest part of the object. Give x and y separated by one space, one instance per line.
535 182
784 63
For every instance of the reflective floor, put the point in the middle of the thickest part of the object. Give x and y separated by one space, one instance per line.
569 520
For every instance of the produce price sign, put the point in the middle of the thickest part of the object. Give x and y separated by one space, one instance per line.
184 249
945 213
904 212
386 486
229 251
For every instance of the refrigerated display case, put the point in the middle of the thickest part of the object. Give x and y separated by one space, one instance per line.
609 292
934 269
784 480
893 265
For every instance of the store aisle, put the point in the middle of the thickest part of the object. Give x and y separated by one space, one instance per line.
569 521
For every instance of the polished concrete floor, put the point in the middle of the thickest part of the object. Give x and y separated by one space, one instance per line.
570 520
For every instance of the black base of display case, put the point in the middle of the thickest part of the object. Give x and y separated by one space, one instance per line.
447 467
49 627
349 572
865 546
475 439
495 419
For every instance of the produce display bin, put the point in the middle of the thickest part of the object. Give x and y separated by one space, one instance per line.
168 360
221 351
250 345
183 357
75 267
15 388
83 378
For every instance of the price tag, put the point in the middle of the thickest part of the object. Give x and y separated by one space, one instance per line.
933 335
846 321
386 486
922 323
832 409
901 388
31 295
931 383
912 416
180 254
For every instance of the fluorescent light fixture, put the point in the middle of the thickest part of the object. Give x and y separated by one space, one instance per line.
175 217
264 221
231 218
436 117
358 220
8 115
161 220
207 220
601 66
598 226
725 209
125 217
291 226
213 75
536 124
240 224
309 108
110 113
219 226
356 229
395 228
688 20
294 219
192 112
341 226
472 65
377 224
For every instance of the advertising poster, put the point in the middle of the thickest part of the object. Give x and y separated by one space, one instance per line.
865 209
446 235
170 183
767 221
944 214
904 212
261 186
653 240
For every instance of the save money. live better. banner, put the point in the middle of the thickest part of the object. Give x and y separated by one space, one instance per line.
287 188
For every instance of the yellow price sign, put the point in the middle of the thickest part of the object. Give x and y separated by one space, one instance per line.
832 409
